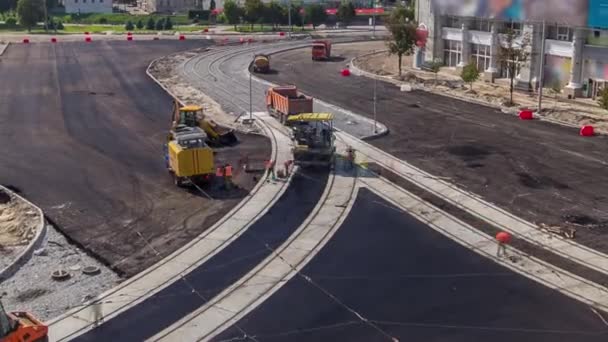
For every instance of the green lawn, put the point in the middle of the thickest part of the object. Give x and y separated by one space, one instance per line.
71 29
117 18
266 28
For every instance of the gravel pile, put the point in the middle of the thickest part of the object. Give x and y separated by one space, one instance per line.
32 289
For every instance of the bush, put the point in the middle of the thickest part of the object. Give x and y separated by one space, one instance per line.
129 26
470 74
199 14
160 24
150 25
140 24
103 20
10 22
168 24
221 18
603 98
59 26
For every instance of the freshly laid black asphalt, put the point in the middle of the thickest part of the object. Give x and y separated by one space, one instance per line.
82 128
539 171
414 284
222 270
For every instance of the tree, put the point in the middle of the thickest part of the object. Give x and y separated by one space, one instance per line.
140 24
30 12
168 24
254 11
402 35
315 14
232 12
274 13
150 25
470 74
160 24
435 67
603 98
512 52
346 13
129 26
212 5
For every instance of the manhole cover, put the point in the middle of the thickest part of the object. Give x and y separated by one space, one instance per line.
60 275
74 268
91 270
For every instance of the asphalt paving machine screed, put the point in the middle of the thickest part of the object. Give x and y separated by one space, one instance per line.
313 138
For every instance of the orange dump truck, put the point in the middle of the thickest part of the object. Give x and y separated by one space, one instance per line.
285 101
321 50
21 326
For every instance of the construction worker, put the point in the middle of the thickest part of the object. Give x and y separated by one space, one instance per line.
228 176
350 156
219 174
287 165
270 169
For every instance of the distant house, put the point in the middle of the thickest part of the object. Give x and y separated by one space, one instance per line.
153 6
87 6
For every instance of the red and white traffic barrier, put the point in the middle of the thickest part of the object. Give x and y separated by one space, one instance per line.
587 131
526 115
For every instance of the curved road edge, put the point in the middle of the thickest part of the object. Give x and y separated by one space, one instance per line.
27 251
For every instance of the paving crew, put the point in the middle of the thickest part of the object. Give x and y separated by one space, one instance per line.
228 176
270 169
287 165
219 174
350 156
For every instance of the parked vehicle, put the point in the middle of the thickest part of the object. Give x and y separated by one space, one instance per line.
261 63
321 50
287 100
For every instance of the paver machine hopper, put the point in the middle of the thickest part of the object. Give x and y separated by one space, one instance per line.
21 326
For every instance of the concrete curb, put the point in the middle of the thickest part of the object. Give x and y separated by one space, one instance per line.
26 253
383 130
505 110
4 47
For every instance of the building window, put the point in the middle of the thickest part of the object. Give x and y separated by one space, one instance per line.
92 1
454 22
513 26
480 55
75 1
452 53
481 25
84 1
563 33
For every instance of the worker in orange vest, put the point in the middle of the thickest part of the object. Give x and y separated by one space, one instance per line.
228 176
219 174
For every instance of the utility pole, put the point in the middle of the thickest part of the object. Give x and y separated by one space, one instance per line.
289 20
541 71
374 19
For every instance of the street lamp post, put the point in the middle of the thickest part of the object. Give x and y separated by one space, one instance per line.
541 71
250 98
375 98
289 19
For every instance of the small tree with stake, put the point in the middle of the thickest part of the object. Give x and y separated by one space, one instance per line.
511 54
150 25
129 26
435 67
470 74
232 12
402 34
140 24
603 98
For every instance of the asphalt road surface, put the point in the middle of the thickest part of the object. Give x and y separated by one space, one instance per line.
233 262
542 172
81 130
411 283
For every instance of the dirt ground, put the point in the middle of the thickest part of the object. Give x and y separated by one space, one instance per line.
539 171
577 112
18 221
94 161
